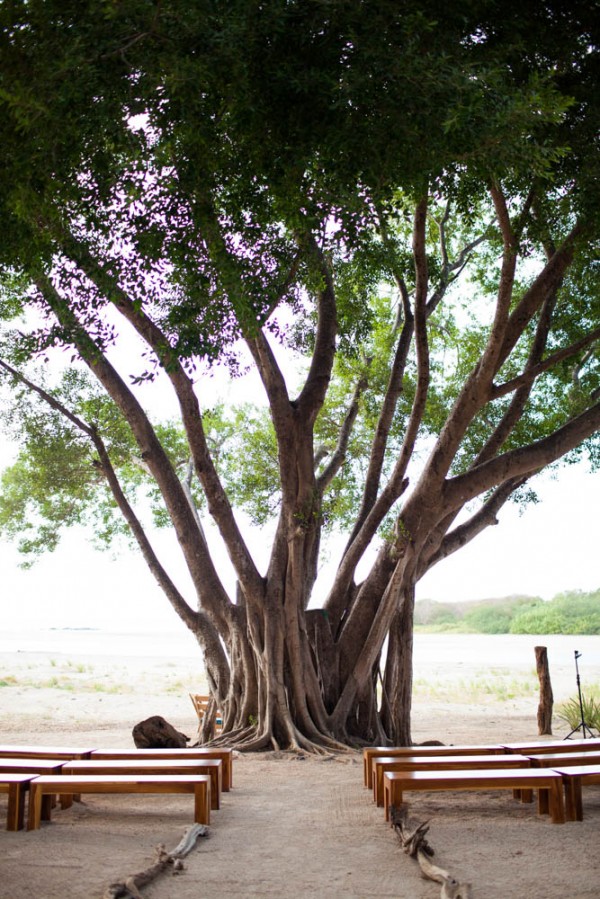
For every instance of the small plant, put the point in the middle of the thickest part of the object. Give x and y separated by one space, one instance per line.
571 710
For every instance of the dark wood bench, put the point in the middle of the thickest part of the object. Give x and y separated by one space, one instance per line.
46 785
212 767
15 786
545 780
397 751
382 764
196 752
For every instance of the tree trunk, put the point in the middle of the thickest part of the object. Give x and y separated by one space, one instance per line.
544 714
397 683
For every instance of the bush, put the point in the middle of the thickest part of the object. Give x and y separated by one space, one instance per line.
570 712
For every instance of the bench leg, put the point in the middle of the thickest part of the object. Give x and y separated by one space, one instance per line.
556 803
573 798
35 807
392 796
16 804
202 803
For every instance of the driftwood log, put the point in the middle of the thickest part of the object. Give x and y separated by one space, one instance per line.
544 715
413 838
130 887
156 733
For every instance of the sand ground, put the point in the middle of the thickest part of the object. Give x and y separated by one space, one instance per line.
292 826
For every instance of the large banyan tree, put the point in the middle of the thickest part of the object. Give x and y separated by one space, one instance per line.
389 213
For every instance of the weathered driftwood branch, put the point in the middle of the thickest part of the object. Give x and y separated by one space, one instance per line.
130 887
414 843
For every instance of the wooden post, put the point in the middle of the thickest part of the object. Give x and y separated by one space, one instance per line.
544 715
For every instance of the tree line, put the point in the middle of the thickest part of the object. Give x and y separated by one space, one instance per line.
570 612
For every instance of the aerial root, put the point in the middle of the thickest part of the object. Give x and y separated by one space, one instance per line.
130 887
413 838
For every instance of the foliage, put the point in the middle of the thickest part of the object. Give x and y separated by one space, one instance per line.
571 711
573 612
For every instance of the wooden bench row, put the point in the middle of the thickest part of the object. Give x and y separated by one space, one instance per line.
71 772
545 770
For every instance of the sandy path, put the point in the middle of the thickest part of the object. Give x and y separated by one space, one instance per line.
291 827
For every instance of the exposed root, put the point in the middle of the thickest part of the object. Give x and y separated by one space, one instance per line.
414 843
130 887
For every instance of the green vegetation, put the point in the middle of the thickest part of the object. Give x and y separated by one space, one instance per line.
570 712
573 612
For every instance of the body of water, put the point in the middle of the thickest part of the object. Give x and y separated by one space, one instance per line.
440 655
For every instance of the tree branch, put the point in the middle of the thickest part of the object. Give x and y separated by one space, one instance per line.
524 461
530 374
210 589
218 503
339 454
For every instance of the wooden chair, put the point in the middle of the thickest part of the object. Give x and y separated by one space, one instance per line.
201 703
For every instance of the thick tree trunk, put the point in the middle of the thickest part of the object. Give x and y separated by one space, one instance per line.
397 682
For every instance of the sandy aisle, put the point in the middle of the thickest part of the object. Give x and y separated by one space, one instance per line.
291 827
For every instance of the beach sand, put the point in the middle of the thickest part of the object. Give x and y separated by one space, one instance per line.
293 826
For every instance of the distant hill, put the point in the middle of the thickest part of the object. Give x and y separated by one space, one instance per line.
572 612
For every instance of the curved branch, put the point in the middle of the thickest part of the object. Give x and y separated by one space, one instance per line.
397 483
312 396
192 619
339 454
206 580
524 461
464 533
218 503
530 374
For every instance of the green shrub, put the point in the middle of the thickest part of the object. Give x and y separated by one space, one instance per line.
570 712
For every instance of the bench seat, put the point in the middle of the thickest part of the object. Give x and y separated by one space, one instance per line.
46 785
212 767
537 747
373 751
15 786
196 752
546 781
44 752
382 764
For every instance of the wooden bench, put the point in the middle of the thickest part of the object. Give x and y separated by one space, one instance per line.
546 781
212 767
15 786
433 751
46 785
31 766
383 763
537 747
196 752
573 778
44 752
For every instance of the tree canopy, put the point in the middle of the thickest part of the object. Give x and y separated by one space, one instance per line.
390 214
